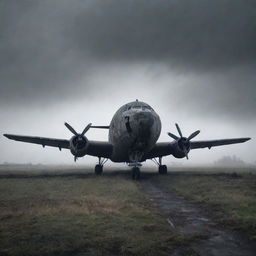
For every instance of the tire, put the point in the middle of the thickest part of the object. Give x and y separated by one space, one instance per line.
136 173
162 169
98 169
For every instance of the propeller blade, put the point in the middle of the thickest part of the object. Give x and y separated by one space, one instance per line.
179 131
193 135
71 128
173 136
86 129
186 152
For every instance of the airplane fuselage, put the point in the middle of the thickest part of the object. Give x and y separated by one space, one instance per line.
133 132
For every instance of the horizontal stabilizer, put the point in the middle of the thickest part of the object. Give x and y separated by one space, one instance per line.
100 126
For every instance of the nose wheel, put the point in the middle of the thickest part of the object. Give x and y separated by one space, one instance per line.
135 173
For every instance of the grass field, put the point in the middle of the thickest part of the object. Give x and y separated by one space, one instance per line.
228 194
65 215
75 213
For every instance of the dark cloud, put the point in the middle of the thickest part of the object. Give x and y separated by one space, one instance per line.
202 34
36 58
228 95
51 49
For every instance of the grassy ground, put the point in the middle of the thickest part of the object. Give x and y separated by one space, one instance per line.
80 215
228 193
51 212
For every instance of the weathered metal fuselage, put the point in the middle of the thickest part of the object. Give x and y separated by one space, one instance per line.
133 132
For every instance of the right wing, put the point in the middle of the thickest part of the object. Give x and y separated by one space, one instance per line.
160 149
167 148
214 143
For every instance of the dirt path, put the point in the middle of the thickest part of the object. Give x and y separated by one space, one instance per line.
188 219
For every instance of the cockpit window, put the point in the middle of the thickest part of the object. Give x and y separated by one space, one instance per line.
146 108
139 107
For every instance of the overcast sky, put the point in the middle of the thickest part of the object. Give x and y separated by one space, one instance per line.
79 61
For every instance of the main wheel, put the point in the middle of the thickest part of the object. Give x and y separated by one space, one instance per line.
98 169
136 173
162 169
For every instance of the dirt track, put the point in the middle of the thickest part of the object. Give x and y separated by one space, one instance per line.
190 219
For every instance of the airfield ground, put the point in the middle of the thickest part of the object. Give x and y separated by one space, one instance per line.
64 211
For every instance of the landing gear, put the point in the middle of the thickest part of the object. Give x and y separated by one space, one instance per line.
136 173
99 167
162 169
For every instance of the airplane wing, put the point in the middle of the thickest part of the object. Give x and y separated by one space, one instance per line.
95 148
59 143
160 149
214 143
100 149
167 148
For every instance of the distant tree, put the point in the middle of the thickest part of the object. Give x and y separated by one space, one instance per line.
228 161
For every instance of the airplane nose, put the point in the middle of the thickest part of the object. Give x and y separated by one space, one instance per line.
144 119
140 125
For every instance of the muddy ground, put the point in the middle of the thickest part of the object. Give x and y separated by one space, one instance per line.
192 219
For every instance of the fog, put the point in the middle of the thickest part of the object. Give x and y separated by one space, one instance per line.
79 61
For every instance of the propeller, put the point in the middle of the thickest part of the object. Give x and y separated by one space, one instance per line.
79 137
183 141
74 131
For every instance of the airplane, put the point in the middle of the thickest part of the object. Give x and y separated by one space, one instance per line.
133 134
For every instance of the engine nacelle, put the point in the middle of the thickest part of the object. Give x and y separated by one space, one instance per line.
79 145
180 146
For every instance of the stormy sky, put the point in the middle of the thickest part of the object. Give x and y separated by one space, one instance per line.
79 61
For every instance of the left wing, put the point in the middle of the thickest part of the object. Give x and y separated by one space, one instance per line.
167 148
59 143
95 148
